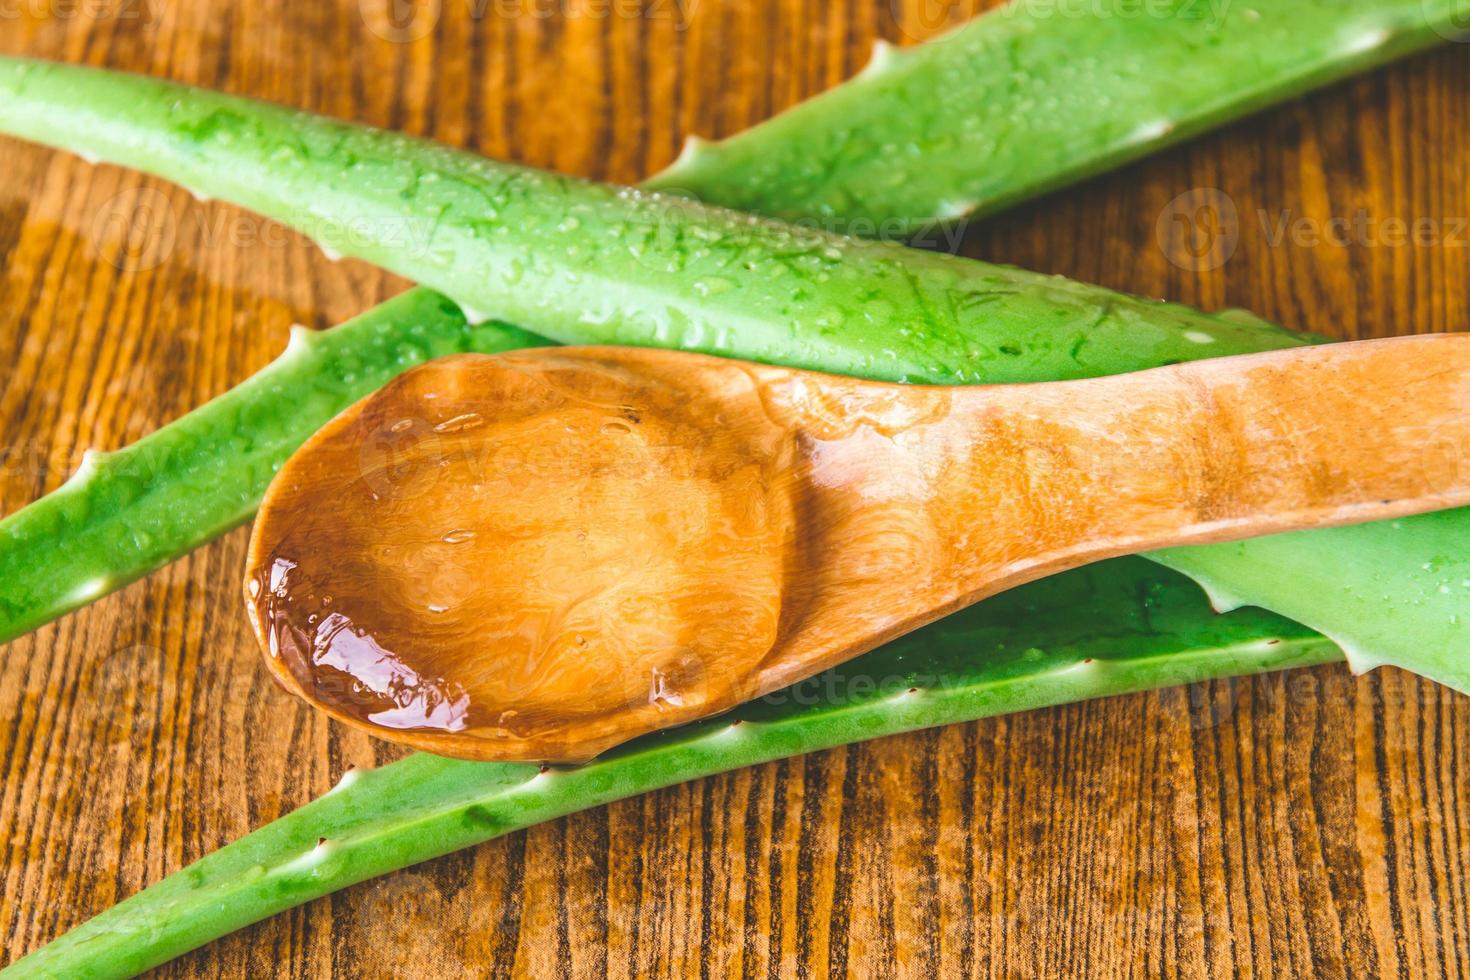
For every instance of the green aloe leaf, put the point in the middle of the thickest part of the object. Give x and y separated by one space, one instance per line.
1131 627
583 262
125 513
1037 95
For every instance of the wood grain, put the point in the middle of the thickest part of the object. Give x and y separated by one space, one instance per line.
1308 823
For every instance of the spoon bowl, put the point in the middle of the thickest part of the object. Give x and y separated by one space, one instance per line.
538 555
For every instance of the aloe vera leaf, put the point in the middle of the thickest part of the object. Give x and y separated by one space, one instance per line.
582 262
1415 621
1099 633
1033 96
125 513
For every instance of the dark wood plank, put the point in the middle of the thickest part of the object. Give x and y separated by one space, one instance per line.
1310 823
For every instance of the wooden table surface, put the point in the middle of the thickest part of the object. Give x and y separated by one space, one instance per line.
1309 823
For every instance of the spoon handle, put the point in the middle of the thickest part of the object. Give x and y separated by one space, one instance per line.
1228 448
973 491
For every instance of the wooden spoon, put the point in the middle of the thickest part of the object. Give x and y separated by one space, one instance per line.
539 555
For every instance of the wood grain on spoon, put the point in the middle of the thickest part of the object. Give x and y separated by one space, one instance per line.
539 555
